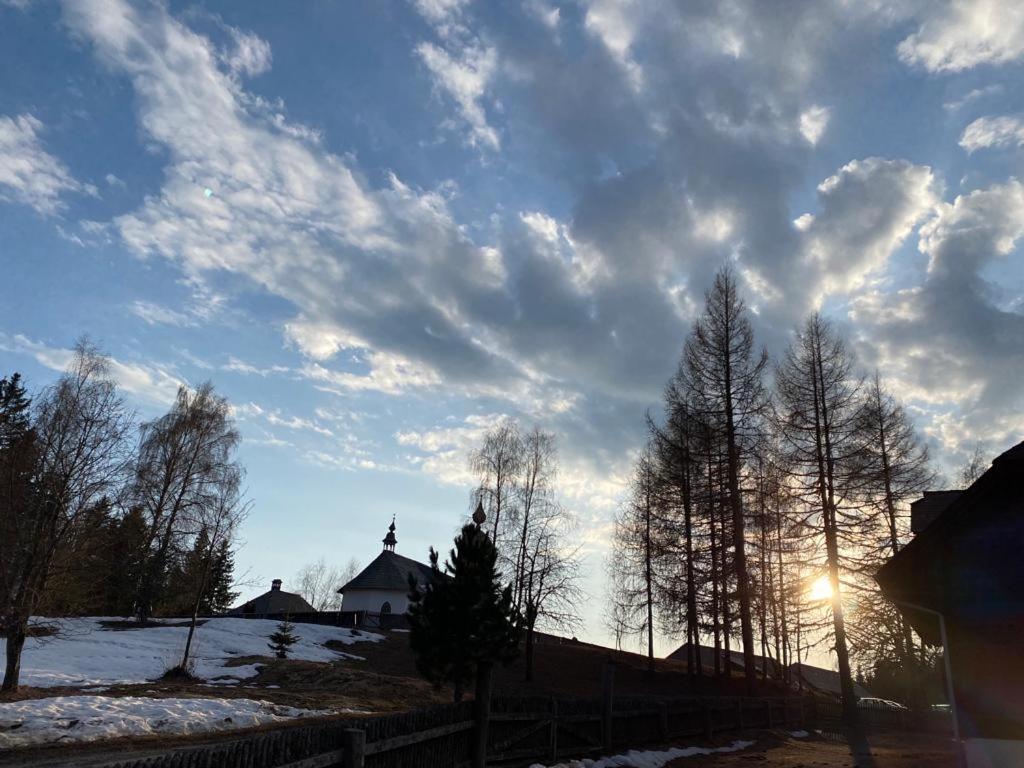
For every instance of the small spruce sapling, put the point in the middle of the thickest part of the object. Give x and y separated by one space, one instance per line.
283 639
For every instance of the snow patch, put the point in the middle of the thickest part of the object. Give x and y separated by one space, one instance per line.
89 718
84 653
799 734
648 758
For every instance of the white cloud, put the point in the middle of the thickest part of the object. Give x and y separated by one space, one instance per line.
546 14
28 173
813 123
439 11
868 208
960 34
249 55
974 228
157 314
614 23
993 132
464 77
151 383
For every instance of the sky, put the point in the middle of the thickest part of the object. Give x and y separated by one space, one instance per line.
380 227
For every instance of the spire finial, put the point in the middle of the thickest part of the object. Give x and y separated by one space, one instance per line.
389 540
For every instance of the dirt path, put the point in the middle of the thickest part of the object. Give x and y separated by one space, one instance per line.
887 751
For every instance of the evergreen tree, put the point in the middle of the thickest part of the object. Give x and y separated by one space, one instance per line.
220 596
463 620
283 639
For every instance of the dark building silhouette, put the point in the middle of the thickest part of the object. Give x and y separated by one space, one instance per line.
966 564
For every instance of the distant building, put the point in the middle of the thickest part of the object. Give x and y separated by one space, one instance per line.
706 659
379 594
273 603
821 680
965 564
814 679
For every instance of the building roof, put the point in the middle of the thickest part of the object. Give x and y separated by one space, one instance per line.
927 509
966 563
275 601
824 680
389 571
707 657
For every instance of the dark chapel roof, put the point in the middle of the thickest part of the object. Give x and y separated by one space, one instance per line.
389 571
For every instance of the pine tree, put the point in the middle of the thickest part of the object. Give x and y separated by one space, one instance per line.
463 621
283 639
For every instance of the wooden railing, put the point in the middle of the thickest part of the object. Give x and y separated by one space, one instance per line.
520 731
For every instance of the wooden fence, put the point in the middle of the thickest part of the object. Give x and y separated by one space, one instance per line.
520 731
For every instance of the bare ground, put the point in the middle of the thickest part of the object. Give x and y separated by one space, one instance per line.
776 750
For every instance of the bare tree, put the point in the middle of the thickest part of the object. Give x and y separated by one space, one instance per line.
634 555
725 372
319 583
973 468
530 528
216 521
186 459
497 462
79 459
819 424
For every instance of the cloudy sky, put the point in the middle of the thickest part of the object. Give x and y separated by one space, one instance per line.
379 226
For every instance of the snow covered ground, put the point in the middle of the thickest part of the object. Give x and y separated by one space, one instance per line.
88 718
648 758
85 654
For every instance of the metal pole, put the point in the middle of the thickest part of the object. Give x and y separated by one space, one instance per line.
950 694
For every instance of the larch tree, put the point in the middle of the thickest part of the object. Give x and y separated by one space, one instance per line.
818 417
634 553
894 471
725 372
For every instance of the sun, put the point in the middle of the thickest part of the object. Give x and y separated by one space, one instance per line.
821 589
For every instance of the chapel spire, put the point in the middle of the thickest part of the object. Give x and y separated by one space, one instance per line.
389 539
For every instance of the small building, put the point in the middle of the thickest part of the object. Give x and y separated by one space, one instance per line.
705 658
963 572
378 596
273 604
822 681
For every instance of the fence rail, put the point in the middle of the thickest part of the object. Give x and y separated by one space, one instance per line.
520 731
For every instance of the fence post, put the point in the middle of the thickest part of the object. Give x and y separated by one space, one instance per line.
482 713
768 705
709 725
739 714
354 747
607 695
554 730
663 720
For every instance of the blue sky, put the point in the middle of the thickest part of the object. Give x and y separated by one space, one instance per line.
378 227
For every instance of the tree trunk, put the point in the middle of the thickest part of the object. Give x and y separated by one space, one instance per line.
826 474
530 642
15 645
647 571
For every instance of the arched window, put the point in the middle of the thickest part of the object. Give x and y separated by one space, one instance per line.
385 610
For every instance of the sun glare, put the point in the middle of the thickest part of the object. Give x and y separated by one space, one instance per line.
821 589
